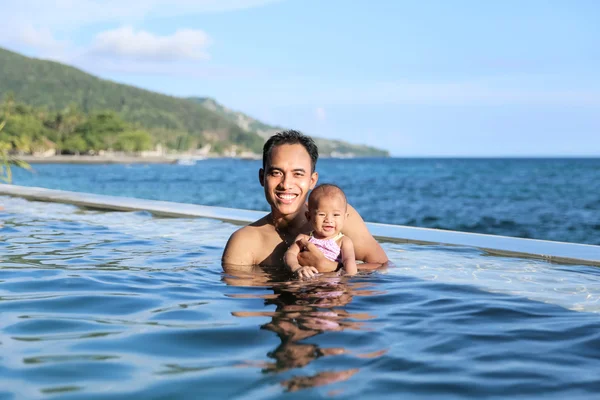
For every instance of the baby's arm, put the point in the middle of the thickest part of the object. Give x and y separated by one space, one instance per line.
348 257
291 260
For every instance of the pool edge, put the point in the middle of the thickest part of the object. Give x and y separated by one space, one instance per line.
560 252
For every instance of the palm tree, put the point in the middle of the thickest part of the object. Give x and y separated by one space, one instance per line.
6 160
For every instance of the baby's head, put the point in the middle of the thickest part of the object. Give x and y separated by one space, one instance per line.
327 210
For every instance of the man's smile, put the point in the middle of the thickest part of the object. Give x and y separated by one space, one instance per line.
286 197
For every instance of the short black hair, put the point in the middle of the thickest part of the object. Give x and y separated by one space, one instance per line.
291 137
325 189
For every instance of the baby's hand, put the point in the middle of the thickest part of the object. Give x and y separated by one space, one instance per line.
306 272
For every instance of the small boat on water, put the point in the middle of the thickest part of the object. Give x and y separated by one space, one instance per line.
185 161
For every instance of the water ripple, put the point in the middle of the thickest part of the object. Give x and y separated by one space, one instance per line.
121 305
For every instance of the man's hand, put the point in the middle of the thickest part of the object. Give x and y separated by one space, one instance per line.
310 255
306 272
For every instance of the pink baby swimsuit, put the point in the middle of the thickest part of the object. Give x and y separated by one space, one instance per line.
328 247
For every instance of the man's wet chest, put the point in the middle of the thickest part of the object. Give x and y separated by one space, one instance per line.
272 251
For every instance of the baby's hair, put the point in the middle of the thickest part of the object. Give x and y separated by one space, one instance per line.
325 189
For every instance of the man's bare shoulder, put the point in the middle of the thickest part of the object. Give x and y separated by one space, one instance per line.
244 233
243 243
367 249
355 227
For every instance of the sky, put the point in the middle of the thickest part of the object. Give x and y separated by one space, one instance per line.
418 78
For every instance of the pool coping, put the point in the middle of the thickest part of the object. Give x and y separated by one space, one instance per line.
560 252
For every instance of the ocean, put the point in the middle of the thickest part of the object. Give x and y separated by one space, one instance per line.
552 199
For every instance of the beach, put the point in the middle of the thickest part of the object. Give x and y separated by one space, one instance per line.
104 159
107 159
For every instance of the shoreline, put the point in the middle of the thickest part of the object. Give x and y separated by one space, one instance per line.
115 159
64 159
131 159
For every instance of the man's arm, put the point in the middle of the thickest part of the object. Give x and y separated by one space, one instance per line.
366 248
239 251
291 256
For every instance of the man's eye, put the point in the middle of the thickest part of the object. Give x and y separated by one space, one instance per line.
299 174
275 173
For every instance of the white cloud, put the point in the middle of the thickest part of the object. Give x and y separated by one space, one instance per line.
35 24
39 38
26 37
320 114
125 42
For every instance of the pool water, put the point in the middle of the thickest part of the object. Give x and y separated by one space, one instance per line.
120 305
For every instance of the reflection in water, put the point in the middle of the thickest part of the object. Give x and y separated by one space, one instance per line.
320 379
303 310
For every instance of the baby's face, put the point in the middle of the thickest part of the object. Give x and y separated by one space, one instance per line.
328 216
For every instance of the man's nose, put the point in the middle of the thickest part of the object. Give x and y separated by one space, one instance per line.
286 181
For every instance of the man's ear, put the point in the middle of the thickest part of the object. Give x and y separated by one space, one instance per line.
261 177
314 178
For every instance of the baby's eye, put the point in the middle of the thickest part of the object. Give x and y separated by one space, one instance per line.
336 215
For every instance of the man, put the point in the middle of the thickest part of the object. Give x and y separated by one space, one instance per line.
287 176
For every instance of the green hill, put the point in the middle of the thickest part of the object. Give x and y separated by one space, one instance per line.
176 122
327 147
240 119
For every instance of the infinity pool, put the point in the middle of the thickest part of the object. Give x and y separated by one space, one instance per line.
120 305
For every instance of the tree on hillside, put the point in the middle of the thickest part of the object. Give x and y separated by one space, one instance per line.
74 144
100 131
62 124
8 103
133 141
21 131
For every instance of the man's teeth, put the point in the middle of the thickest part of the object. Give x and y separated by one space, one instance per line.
287 196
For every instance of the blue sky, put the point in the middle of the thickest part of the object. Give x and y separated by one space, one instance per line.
419 78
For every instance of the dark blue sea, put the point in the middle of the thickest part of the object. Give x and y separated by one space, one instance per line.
553 199
126 305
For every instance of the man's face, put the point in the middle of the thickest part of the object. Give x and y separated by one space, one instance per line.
287 178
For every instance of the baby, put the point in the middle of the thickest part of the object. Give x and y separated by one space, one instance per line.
327 212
